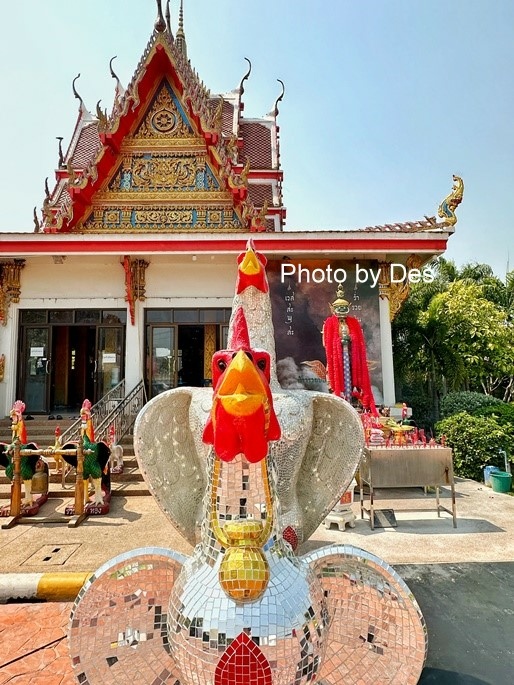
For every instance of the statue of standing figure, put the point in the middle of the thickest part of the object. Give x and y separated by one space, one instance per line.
347 364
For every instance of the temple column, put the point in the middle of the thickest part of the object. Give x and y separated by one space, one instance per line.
391 297
386 349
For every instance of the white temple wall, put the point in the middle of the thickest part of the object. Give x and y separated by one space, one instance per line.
98 282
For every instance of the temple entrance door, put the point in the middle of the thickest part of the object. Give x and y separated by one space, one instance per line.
175 355
36 368
190 356
72 370
108 369
161 355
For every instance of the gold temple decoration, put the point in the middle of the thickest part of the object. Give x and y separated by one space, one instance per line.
209 348
450 203
163 119
135 284
2 367
340 300
396 293
10 285
173 157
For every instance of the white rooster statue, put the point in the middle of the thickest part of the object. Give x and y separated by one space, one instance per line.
250 471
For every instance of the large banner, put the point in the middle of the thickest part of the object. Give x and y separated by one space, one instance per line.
301 293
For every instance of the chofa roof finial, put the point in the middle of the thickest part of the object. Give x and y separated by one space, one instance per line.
279 99
160 24
82 105
168 17
61 154
119 87
245 77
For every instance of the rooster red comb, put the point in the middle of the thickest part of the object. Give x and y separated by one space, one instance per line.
251 270
18 407
86 406
240 338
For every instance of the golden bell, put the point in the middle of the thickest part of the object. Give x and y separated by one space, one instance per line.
244 573
40 479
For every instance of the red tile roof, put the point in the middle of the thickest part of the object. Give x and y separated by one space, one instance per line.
87 147
227 118
256 145
260 193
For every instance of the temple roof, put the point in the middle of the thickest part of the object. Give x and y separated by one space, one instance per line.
172 157
205 166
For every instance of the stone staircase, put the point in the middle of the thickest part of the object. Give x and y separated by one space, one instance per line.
41 430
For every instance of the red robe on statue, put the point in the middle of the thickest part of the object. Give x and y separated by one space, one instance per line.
358 360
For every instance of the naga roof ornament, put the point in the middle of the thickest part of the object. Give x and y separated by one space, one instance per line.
450 203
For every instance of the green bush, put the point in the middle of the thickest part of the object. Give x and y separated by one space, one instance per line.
455 402
503 414
475 441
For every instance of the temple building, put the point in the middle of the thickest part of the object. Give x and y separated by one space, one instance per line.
129 271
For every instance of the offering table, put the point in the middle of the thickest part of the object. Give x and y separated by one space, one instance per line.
406 467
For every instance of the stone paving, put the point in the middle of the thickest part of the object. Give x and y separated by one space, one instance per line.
33 645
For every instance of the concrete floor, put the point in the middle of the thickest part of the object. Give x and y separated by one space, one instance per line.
463 578
484 533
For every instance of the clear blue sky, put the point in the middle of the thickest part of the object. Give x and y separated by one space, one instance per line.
385 100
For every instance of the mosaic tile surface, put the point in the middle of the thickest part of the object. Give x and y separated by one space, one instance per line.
377 633
118 625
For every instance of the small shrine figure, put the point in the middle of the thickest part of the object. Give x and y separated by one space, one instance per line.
347 364
31 465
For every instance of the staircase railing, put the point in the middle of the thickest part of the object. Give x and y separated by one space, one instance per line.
99 411
122 416
114 409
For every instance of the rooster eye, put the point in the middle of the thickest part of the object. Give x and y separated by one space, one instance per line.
262 364
222 365
249 355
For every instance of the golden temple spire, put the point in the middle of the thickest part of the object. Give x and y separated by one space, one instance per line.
180 38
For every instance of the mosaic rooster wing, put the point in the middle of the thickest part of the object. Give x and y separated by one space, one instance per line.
377 633
118 624
322 439
171 454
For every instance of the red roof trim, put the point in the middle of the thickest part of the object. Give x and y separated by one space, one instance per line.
130 246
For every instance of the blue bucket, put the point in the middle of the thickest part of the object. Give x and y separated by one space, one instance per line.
487 474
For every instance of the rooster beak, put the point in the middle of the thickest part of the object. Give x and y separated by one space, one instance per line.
242 391
250 266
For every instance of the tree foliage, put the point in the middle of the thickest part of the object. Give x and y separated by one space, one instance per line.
471 402
456 334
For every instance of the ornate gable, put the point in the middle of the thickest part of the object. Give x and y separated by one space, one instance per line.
165 159
164 178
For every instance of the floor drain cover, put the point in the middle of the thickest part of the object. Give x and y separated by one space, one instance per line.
52 555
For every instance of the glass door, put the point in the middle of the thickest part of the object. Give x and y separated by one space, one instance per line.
109 360
162 359
36 369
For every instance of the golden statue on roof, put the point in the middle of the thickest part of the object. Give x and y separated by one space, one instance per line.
450 203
